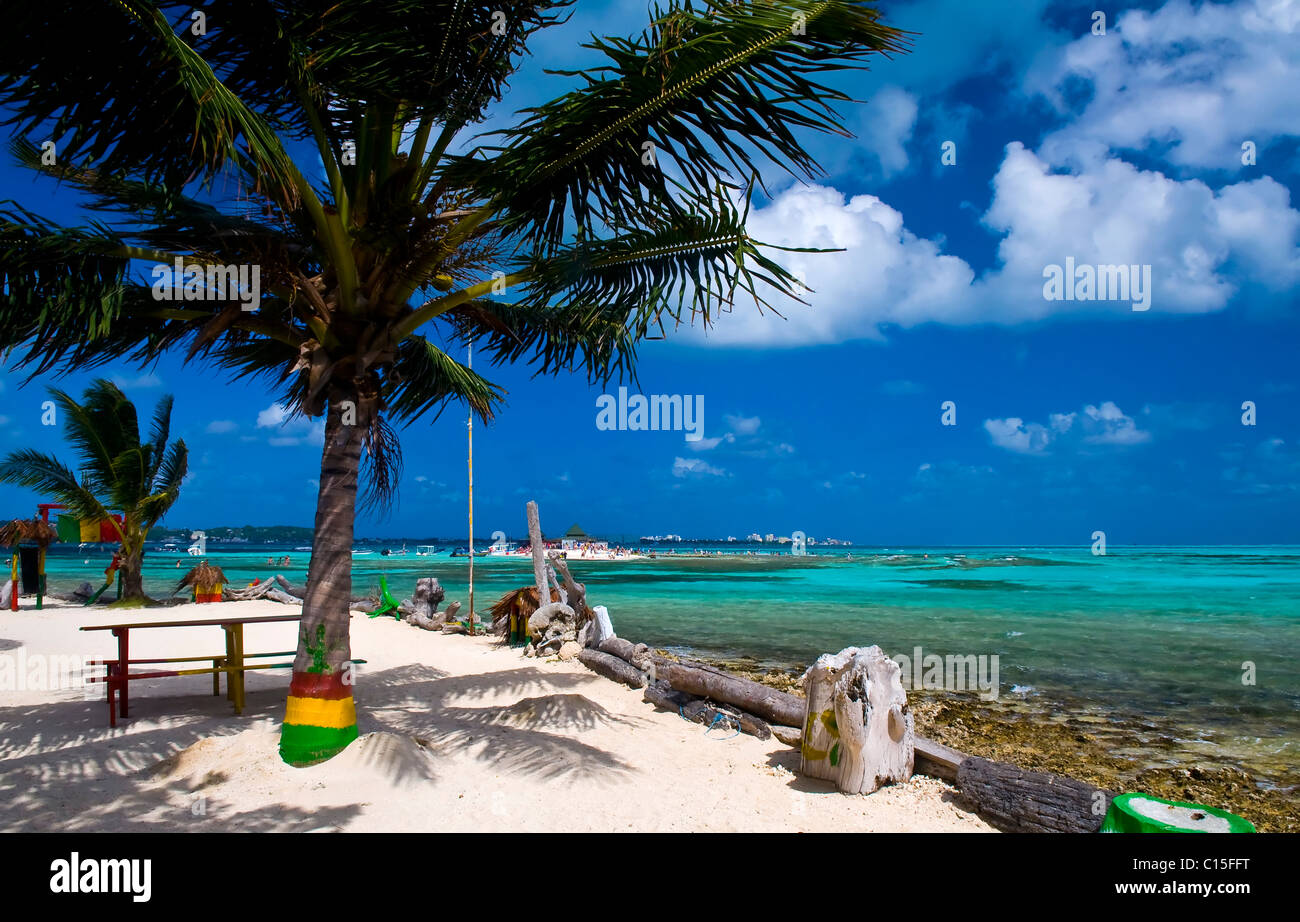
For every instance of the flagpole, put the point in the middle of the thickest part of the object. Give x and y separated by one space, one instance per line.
470 429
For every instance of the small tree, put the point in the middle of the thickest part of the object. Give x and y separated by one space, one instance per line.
119 473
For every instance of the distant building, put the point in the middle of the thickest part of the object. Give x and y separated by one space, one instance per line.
575 539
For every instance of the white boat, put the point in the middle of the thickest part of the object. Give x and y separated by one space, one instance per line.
425 550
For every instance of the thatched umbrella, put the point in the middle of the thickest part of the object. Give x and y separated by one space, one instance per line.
206 581
28 531
518 605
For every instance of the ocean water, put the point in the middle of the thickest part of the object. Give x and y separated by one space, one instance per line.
1161 636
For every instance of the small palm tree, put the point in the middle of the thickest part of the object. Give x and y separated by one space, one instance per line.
120 474
329 144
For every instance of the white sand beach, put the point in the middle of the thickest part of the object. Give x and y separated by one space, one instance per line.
457 734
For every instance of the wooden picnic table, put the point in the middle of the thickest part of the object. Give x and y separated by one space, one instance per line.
118 677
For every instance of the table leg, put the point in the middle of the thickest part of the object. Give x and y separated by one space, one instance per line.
230 658
123 663
110 686
238 674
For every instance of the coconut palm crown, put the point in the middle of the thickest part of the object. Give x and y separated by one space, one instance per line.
338 147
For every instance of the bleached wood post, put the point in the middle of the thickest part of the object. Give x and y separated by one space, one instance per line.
858 730
819 754
539 553
875 724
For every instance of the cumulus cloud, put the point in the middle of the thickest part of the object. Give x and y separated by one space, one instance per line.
291 430
695 467
221 426
1204 247
1104 424
743 425
886 124
142 382
1190 83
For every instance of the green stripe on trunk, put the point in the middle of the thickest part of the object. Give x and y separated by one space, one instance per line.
301 746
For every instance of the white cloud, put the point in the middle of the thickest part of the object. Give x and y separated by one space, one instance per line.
695 467
1014 434
743 425
274 415
886 274
885 126
142 382
221 426
1204 247
703 444
1105 424
1108 425
293 430
1111 213
1191 83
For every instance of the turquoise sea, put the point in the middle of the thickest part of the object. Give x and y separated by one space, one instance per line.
1153 636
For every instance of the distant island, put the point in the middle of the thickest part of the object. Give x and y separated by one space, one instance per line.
294 534
244 534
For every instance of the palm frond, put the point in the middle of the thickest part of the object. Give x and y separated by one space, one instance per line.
715 88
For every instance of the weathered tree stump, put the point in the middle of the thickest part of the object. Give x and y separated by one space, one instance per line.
858 730
1017 800
423 610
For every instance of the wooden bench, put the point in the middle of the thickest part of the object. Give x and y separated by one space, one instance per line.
233 663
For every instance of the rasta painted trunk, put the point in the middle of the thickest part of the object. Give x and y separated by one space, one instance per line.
320 719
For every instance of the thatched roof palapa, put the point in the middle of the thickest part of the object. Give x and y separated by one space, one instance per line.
28 531
519 602
204 575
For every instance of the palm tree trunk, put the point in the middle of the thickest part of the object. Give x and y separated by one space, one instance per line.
320 720
133 574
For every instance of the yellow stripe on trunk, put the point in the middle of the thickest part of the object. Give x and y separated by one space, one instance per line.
334 713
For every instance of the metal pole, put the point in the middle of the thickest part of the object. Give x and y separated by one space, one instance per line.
470 428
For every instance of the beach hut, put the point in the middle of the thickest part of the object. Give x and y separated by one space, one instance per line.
28 538
575 539
206 582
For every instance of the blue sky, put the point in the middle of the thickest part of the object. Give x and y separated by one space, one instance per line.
1071 416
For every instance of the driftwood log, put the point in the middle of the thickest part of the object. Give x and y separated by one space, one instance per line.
1017 800
702 712
612 667
706 682
299 591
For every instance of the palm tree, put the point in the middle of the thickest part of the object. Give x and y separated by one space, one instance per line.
120 474
328 144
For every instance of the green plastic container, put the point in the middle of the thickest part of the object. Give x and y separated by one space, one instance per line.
1146 813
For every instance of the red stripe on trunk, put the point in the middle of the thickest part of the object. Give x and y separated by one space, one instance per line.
318 685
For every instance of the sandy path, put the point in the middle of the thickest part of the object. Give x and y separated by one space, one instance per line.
458 733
